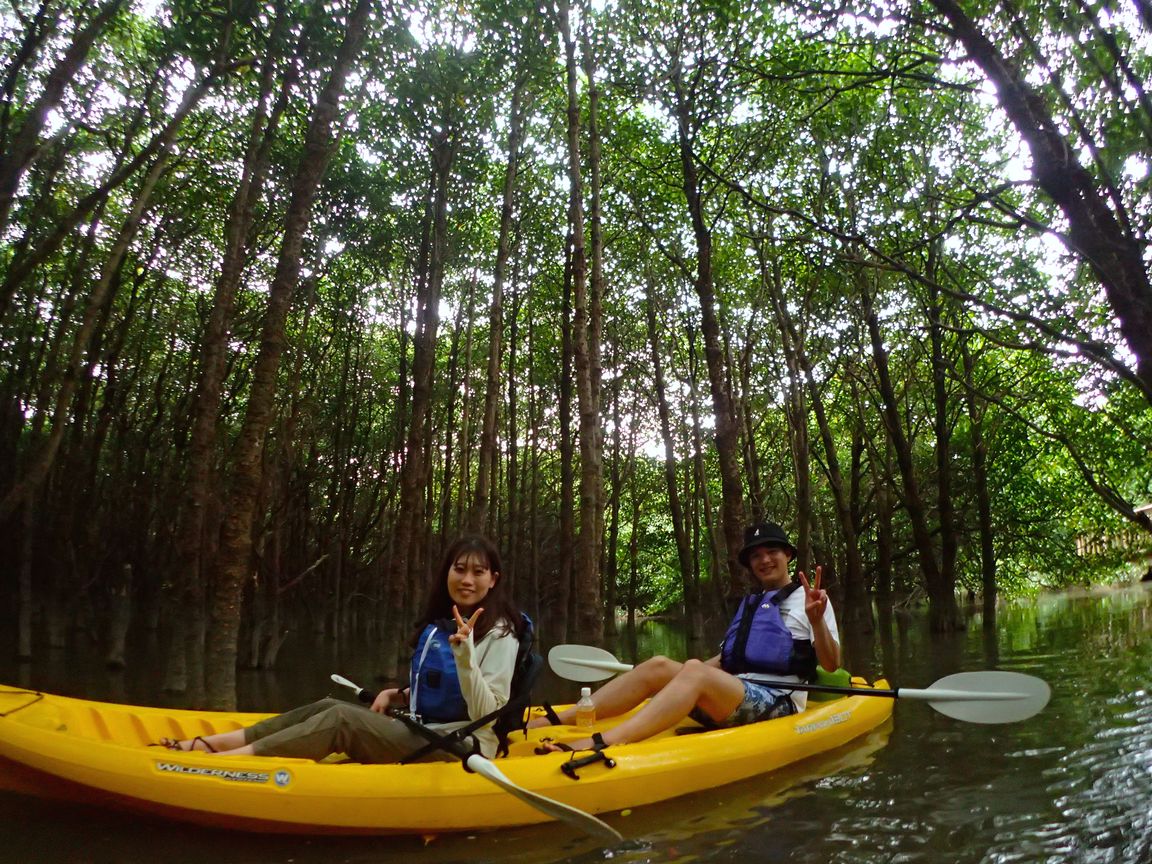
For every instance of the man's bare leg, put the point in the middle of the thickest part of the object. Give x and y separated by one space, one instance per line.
626 691
697 684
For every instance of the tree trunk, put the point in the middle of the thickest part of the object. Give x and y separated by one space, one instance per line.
189 579
156 150
983 494
234 567
25 598
531 585
38 28
586 609
757 498
942 427
797 412
723 587
20 154
411 517
944 614
857 612
693 609
726 435
479 515
617 475
1094 233
882 479
517 500
458 379
40 464
119 618
560 597
633 550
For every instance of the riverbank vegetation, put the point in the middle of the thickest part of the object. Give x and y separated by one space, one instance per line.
292 292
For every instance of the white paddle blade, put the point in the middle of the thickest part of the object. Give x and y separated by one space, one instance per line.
987 697
584 663
344 682
585 822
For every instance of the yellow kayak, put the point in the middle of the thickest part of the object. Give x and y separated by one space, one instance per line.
101 753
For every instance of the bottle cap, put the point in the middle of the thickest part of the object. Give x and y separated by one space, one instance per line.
585 691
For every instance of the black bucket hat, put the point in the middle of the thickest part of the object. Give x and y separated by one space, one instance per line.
765 534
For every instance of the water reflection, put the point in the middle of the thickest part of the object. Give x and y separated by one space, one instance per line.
1073 785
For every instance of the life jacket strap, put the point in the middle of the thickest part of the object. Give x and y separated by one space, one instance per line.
747 613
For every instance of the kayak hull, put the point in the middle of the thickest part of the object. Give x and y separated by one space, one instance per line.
100 753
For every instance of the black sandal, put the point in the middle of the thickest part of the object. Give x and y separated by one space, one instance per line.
174 744
597 755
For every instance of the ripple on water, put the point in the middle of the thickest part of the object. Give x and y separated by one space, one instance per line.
1100 791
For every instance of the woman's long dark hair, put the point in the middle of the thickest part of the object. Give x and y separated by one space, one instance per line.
499 608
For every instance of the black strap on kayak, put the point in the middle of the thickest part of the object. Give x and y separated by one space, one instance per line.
34 693
453 743
597 755
450 742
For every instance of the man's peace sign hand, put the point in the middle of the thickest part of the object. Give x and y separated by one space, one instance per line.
815 597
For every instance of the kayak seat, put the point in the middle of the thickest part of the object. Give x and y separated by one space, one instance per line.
512 716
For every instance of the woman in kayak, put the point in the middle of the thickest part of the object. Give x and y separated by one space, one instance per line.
464 657
781 632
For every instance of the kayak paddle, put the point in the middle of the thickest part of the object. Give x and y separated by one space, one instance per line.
975 697
487 769
365 696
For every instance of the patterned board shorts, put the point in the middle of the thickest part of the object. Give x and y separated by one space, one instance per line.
760 703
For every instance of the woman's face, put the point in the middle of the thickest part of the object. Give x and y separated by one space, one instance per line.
469 581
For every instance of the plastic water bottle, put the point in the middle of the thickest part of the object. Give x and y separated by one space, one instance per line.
585 708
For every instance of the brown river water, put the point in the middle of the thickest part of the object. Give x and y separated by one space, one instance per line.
1073 784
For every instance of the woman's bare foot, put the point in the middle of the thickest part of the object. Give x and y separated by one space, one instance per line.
221 742
187 745
548 746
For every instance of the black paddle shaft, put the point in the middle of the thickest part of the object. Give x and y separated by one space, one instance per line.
827 688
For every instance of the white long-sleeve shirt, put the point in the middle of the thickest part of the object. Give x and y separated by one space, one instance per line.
485 670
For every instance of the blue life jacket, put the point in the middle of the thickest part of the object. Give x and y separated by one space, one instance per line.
434 683
758 640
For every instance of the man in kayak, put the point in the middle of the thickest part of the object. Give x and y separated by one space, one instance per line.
780 632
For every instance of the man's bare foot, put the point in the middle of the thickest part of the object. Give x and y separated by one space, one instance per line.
551 718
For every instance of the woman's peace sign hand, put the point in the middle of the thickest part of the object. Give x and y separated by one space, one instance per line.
464 627
815 597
